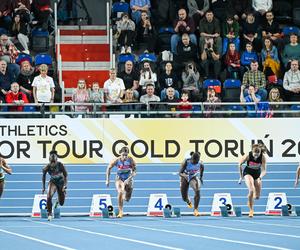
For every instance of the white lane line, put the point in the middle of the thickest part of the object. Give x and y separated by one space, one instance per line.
111 236
37 240
235 229
267 224
199 236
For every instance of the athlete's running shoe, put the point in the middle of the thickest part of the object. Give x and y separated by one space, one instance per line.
189 204
196 212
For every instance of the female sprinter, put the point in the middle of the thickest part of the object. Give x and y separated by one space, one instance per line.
124 178
297 177
253 173
57 182
191 173
4 168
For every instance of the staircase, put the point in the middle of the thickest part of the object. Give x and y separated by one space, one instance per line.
85 54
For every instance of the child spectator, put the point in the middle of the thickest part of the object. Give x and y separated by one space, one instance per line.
184 105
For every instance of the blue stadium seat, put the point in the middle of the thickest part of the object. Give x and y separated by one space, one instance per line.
122 58
23 57
290 29
147 57
42 59
118 8
215 83
231 90
39 40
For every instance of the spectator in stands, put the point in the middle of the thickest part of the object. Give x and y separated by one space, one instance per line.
80 95
146 32
43 86
197 9
291 82
275 96
149 96
256 78
21 6
283 7
183 24
168 78
210 31
113 89
130 102
147 76
96 95
261 7
42 11
250 32
125 33
171 99
5 16
19 31
239 8
25 79
211 56
17 97
5 80
251 96
270 29
130 78
186 51
184 105
164 12
190 79
220 9
231 31
247 57
137 6
9 53
233 62
291 51
269 58
212 100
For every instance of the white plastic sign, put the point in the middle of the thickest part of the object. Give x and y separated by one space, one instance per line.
39 202
220 199
99 201
156 205
275 202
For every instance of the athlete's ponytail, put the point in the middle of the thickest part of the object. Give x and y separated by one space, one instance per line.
259 147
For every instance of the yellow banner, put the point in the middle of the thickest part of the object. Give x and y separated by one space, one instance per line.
150 140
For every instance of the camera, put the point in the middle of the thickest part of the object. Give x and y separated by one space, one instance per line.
190 66
209 45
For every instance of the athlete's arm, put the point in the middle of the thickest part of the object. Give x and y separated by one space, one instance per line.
108 170
133 168
263 167
5 167
182 168
65 173
201 171
45 170
297 176
241 162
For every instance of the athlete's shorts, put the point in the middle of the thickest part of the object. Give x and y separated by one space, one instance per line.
255 173
58 181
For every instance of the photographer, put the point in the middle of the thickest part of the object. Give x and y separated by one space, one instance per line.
125 33
190 78
183 24
210 56
146 32
17 97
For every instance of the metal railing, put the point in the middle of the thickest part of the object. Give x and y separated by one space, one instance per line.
152 109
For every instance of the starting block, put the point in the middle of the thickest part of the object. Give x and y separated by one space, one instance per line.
169 213
107 212
284 210
224 211
56 213
297 210
238 211
44 213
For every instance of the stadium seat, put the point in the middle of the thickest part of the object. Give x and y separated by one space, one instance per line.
231 90
164 38
216 84
39 40
43 59
23 57
296 16
118 9
290 29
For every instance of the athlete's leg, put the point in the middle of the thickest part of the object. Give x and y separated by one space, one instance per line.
184 189
51 192
121 192
1 187
128 190
195 185
250 184
61 196
257 185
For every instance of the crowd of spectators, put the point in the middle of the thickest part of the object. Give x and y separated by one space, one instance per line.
210 39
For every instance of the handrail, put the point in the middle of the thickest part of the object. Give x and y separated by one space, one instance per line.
55 23
112 62
108 21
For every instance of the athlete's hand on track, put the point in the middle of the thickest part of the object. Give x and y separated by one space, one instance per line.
107 183
43 190
240 180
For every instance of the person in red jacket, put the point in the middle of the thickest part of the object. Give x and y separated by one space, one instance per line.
17 97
